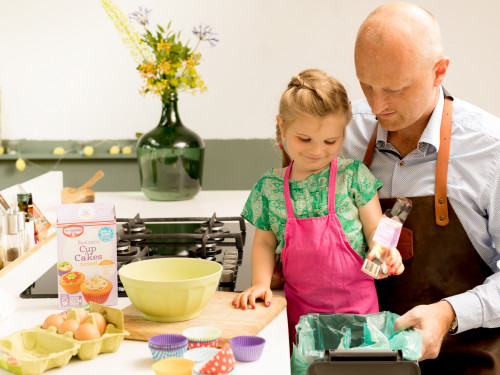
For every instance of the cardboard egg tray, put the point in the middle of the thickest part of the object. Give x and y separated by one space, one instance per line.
32 351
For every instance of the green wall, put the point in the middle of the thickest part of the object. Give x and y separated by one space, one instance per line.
234 164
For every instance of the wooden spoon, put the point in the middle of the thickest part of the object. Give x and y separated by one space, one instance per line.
83 194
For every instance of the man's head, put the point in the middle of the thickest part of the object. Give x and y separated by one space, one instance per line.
400 64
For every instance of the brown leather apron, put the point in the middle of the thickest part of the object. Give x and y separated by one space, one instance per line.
440 261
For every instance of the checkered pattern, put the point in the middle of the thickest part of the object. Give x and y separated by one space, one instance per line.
160 354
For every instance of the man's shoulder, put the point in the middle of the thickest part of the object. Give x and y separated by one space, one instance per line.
472 118
361 107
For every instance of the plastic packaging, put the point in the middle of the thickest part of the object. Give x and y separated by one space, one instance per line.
319 332
387 236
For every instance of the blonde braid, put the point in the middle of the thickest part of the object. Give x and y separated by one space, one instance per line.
285 158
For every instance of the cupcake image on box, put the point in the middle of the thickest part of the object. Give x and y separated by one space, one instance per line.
71 281
64 267
107 268
96 289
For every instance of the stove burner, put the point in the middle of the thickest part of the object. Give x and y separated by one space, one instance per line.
135 227
212 226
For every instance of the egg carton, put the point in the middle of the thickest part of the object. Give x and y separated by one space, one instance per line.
33 351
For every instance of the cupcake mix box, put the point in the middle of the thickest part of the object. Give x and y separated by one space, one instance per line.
86 254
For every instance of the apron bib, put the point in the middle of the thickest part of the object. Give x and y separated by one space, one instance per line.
322 271
429 246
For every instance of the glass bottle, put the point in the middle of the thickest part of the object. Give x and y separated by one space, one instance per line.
387 236
170 158
24 201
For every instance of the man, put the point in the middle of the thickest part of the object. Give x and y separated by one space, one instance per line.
452 281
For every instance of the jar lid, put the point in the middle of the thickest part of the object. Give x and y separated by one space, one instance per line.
23 197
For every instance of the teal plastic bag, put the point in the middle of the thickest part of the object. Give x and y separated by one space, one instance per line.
319 332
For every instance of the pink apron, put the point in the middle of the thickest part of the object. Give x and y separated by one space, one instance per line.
322 271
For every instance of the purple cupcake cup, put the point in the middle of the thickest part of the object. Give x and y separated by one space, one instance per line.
168 341
247 348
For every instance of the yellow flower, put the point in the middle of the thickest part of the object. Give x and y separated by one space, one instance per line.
164 67
130 37
163 46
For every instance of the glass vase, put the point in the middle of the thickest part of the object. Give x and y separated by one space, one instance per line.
170 158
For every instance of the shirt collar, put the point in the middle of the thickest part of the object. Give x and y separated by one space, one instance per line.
430 136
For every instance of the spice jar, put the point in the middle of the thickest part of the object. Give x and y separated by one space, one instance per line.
12 235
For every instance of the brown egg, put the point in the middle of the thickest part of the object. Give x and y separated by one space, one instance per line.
82 314
54 320
99 321
87 331
68 325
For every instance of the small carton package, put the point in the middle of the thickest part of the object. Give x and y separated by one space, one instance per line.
86 254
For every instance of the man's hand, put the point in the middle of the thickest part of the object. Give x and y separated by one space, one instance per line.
433 321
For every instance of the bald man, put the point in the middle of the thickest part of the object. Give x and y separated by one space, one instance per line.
443 154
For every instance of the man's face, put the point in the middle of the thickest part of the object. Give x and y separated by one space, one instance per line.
399 90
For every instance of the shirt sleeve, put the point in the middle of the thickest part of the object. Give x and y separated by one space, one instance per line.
364 184
256 209
480 306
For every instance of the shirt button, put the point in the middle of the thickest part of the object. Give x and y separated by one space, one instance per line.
401 163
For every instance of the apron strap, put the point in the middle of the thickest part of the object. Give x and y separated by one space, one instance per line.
440 195
331 186
286 187
371 147
440 198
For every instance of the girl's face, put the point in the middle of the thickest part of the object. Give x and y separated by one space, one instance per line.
313 142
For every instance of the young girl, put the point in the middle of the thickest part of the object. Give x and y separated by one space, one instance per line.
319 213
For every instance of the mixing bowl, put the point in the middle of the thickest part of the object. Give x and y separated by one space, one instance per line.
170 289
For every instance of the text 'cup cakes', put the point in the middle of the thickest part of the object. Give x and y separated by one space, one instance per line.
96 289
71 281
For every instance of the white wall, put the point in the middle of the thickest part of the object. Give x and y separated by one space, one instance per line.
65 74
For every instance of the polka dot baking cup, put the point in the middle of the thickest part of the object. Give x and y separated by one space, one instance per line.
200 355
203 344
247 348
203 336
221 363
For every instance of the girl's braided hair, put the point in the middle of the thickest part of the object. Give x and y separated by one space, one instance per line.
311 93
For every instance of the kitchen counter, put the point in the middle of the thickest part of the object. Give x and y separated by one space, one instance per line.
134 356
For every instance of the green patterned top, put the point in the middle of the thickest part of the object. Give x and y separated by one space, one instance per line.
355 186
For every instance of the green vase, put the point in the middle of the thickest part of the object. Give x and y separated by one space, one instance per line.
170 158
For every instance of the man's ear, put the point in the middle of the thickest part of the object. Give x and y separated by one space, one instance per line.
440 68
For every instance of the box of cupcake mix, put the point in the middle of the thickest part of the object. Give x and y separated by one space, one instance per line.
86 254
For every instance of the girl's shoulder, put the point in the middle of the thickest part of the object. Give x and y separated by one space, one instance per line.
353 166
270 177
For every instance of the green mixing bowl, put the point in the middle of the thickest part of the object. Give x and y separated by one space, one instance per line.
170 289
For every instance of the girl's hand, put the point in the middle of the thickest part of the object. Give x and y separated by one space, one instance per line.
249 296
393 262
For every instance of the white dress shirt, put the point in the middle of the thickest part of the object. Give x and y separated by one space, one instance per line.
473 187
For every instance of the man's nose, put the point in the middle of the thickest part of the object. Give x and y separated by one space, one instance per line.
378 102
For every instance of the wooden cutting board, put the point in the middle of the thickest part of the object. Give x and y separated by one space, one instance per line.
219 312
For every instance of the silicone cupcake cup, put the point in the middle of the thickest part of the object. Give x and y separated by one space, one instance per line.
247 348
